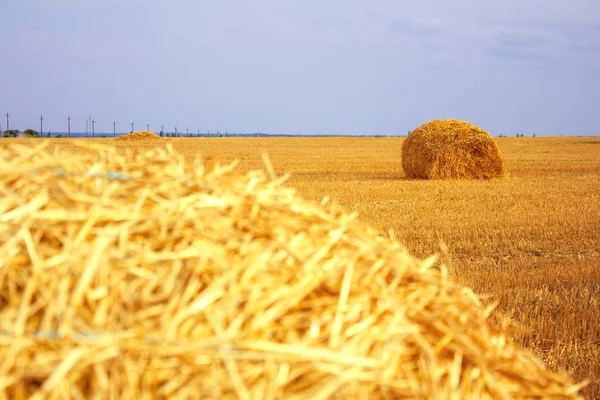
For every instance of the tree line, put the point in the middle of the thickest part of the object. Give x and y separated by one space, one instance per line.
30 133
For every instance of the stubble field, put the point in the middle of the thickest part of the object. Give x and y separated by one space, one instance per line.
530 242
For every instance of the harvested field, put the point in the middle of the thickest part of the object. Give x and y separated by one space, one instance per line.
529 242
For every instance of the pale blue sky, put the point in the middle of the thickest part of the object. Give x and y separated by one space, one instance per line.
312 67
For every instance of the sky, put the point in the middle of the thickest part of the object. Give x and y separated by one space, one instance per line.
301 66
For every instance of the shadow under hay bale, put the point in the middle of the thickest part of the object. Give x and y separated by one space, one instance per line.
136 275
451 149
141 135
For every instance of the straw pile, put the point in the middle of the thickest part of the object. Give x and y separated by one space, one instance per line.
137 275
451 149
141 135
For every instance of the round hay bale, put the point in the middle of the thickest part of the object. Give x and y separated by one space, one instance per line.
451 149
140 135
138 275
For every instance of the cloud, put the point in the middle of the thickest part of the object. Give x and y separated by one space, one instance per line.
522 41
517 54
544 40
407 26
521 46
578 37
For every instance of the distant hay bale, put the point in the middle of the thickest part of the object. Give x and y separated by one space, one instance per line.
138 275
451 149
141 135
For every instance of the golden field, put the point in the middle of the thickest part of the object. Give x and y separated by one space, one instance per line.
530 242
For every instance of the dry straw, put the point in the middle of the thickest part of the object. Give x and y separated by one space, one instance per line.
138 275
451 149
141 135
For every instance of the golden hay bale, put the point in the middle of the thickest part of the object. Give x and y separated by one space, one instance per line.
141 135
451 149
140 276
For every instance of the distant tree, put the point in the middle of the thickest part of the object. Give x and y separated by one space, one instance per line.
30 133
534 135
59 136
518 134
161 134
11 133
49 134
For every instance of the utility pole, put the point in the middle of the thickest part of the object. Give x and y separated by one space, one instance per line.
93 123
69 126
147 127
198 133
41 126
114 128
187 132
175 131
7 125
86 127
132 127
162 128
